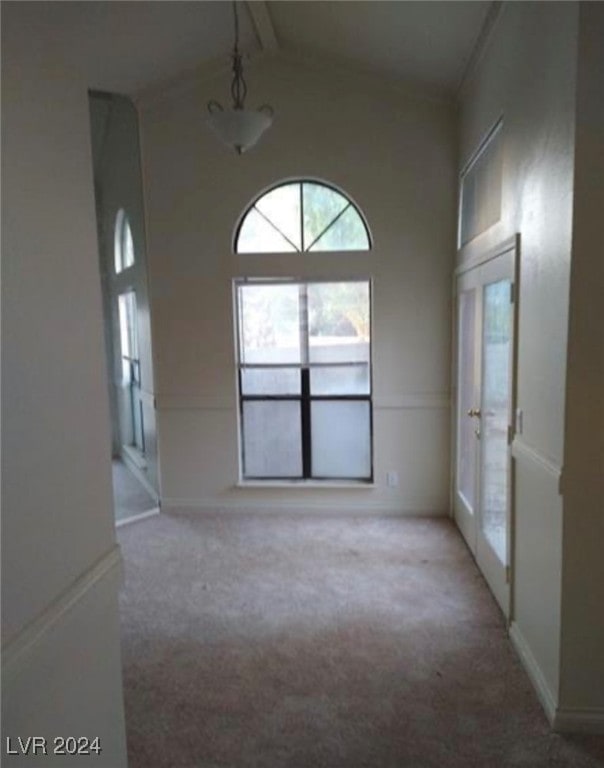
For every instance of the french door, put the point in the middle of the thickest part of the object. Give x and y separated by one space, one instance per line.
483 430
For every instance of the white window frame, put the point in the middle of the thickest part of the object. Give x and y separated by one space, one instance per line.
305 397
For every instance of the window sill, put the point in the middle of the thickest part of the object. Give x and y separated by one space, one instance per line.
348 485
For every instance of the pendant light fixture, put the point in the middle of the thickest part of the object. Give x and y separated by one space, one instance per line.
238 127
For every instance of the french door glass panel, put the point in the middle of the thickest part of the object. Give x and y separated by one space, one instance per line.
466 438
496 350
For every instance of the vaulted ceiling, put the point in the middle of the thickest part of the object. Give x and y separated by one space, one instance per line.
130 46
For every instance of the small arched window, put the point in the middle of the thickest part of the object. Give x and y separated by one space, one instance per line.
123 245
302 216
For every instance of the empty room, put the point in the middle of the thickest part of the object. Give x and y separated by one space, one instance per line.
302 384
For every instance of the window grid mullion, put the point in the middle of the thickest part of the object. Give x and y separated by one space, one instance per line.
306 425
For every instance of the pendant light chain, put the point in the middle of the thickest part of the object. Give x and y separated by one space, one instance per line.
238 127
238 86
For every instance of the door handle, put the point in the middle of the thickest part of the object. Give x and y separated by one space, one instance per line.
474 412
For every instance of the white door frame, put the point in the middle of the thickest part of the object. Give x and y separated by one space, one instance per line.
501 260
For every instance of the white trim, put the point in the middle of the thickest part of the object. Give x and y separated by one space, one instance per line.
523 452
473 255
581 720
272 504
537 678
136 518
411 401
348 485
22 645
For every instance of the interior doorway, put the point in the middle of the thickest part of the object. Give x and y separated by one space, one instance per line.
123 270
482 483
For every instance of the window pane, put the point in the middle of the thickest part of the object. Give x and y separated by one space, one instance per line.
339 322
321 206
481 189
348 233
128 335
258 236
466 440
123 244
347 380
270 381
341 443
496 348
117 242
127 245
272 439
282 207
269 323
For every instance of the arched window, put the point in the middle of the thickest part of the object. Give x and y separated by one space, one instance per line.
302 216
123 245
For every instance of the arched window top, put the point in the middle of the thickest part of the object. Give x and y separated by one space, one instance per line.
302 216
123 244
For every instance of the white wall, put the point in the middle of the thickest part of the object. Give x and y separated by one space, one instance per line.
61 668
527 74
394 155
582 681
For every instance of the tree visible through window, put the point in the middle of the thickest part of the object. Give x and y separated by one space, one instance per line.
302 216
304 352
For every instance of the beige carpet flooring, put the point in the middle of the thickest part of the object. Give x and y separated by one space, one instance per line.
305 641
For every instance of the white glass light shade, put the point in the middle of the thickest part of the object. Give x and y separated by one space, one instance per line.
239 128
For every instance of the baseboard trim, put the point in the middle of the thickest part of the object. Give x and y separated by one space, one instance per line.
307 505
579 721
137 518
20 647
545 694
